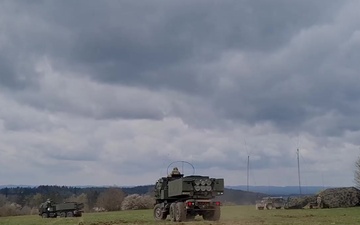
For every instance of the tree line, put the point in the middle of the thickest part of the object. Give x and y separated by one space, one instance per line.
26 200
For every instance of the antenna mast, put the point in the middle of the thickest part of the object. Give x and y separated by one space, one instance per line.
298 162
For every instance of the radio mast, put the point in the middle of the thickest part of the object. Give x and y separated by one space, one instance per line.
298 163
248 172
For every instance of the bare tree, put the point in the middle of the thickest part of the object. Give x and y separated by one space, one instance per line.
111 199
36 200
92 196
357 173
2 200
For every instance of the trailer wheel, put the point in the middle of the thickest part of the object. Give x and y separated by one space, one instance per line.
180 212
158 213
69 214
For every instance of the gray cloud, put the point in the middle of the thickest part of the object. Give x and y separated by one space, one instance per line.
120 89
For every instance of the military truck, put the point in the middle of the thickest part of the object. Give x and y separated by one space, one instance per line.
270 203
49 209
184 197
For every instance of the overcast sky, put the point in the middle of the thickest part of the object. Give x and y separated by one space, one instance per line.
112 92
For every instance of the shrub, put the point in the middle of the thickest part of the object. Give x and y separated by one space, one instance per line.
34 211
26 210
9 210
135 201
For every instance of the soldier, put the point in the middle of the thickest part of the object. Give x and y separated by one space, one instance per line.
48 204
318 201
174 172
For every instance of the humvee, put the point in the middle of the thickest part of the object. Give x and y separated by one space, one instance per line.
270 203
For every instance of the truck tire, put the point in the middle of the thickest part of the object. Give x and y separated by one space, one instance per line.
62 214
180 212
190 217
217 213
69 214
159 214
44 215
172 211
212 215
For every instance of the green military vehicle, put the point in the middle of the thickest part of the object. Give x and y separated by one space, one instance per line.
49 209
183 198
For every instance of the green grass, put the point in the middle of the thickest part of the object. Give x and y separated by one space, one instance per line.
238 215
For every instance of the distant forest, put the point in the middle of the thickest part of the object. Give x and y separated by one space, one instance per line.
34 196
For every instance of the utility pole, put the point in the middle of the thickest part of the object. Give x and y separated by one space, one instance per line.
298 161
248 168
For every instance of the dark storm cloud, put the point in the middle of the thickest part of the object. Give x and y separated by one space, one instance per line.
157 44
161 45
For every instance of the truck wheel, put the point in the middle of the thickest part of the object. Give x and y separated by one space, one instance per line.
269 206
217 213
172 212
69 214
158 213
62 214
180 212
44 215
212 215
190 217
207 215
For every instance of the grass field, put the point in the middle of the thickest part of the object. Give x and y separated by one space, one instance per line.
238 215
